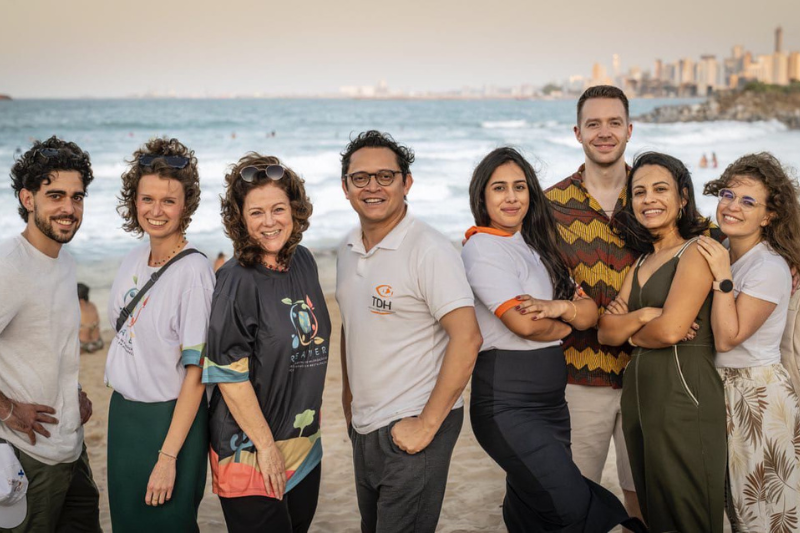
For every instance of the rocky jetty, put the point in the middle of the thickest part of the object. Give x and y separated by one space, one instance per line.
754 103
4 97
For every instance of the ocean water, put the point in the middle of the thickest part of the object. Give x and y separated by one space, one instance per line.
449 138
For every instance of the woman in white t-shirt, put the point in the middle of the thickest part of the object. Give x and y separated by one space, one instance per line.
526 302
759 212
158 417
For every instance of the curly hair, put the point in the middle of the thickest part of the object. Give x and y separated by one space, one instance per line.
783 230
376 139
690 222
246 249
33 167
186 176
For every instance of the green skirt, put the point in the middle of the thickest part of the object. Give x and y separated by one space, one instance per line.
136 432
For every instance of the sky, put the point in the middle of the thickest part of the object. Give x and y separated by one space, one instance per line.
109 48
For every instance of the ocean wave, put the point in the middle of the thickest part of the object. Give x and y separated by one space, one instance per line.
503 124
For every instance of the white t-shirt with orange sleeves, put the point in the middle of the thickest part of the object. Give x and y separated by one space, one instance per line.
500 268
392 298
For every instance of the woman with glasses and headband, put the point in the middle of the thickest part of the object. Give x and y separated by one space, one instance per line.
158 417
268 342
759 212
518 410
673 412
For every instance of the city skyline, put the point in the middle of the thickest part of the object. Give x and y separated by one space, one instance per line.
90 48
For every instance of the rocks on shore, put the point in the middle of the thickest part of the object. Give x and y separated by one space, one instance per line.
745 106
4 97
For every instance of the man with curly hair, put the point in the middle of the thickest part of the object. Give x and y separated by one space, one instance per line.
409 341
42 409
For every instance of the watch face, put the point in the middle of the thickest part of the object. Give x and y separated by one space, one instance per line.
726 285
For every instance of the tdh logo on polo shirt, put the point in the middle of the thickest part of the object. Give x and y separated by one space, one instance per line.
382 303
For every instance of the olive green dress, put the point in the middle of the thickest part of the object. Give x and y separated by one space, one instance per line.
673 417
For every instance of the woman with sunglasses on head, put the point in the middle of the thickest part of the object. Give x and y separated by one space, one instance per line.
759 212
673 412
526 302
158 417
268 344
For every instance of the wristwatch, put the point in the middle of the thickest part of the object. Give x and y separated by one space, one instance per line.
724 285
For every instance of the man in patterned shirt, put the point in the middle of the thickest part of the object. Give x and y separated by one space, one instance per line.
584 205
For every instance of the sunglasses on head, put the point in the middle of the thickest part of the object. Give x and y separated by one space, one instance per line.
174 161
47 152
273 172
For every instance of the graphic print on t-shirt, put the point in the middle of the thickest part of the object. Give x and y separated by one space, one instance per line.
126 333
382 300
273 330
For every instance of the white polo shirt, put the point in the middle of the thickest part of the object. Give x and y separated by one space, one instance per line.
500 268
392 299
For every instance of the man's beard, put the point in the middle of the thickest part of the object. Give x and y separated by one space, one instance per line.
48 227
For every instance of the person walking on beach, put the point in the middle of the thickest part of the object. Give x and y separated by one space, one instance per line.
158 417
584 206
42 409
409 342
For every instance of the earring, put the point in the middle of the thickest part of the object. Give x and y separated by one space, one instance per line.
680 214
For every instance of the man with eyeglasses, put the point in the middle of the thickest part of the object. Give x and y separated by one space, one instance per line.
409 342
42 410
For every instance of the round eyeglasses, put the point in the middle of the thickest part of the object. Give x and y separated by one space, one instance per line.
384 177
727 196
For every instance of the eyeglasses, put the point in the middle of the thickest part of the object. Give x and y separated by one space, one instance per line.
727 196
273 172
384 177
174 161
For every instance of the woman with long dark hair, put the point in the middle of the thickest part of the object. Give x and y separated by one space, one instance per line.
526 302
759 212
673 413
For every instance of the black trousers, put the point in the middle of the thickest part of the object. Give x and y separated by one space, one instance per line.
293 514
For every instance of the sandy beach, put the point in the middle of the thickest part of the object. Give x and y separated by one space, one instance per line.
475 486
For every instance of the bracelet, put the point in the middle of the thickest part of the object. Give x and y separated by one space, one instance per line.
630 341
11 412
574 314
162 452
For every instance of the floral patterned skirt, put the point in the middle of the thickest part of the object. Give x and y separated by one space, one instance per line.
763 425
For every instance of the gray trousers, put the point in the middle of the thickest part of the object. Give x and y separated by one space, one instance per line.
398 492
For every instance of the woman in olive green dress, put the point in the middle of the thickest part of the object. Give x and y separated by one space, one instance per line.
673 410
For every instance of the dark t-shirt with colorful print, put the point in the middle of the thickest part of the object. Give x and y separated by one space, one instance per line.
273 329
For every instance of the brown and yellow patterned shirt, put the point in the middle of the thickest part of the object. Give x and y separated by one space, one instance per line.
599 261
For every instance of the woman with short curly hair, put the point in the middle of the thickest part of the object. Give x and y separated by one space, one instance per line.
759 212
268 342
158 417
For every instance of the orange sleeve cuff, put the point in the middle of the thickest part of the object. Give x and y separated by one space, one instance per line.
505 306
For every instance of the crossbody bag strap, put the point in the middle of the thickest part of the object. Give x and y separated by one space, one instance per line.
123 316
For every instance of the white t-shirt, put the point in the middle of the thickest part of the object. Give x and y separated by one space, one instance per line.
500 268
392 299
763 274
39 350
165 332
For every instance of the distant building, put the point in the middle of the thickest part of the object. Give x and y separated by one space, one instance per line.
686 67
794 66
707 75
778 40
780 68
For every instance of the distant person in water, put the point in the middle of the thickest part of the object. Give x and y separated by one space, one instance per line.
704 161
90 322
714 162
219 261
